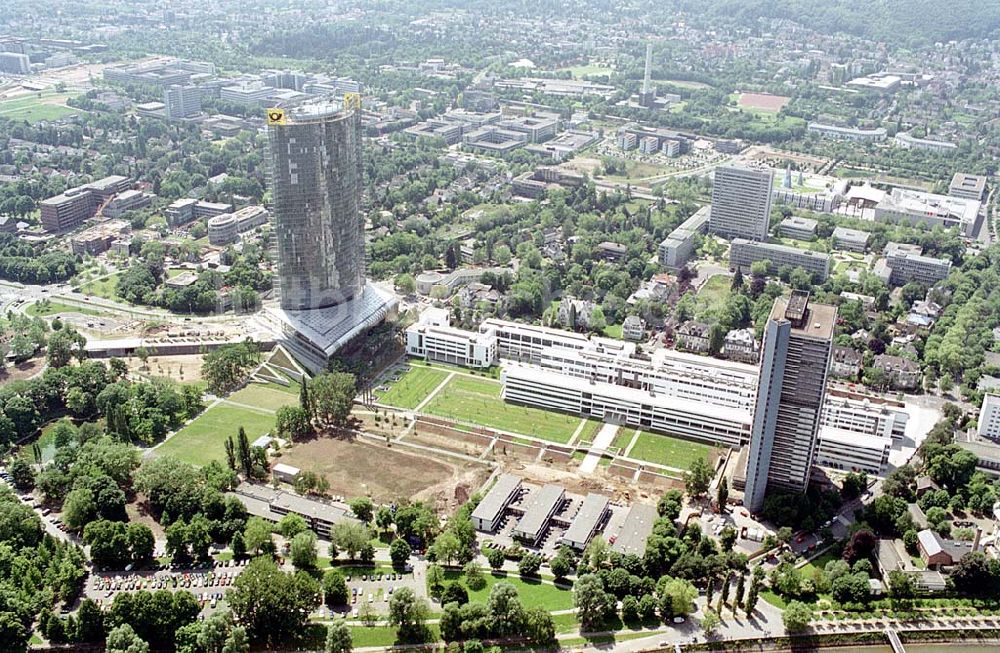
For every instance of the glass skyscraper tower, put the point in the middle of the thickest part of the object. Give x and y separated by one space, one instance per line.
316 179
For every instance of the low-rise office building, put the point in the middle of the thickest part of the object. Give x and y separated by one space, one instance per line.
968 187
489 514
129 200
587 522
677 248
270 504
850 451
798 228
222 230
542 505
76 205
744 253
846 133
914 207
434 340
909 141
635 530
906 263
852 240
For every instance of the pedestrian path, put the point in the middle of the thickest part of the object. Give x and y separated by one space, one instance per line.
603 440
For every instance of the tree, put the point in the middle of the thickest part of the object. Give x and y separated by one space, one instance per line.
399 552
123 639
670 504
383 518
292 423
334 588
435 580
272 605
338 637
474 578
676 597
722 496
710 623
226 368
257 535
506 613
797 616
529 564
494 557
592 602
408 613
303 550
333 397
22 475
291 525
237 641
305 399
861 546
63 345
455 593
561 564
363 509
854 484
79 509
349 537
698 477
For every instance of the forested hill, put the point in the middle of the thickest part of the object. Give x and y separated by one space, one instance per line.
913 22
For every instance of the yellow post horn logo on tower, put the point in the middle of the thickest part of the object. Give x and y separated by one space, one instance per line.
352 101
276 117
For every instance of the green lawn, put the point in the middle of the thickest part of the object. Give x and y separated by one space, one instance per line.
590 430
478 401
47 307
412 388
36 107
203 440
104 287
623 438
532 593
264 396
636 170
683 83
362 636
667 450
712 296
613 331
818 564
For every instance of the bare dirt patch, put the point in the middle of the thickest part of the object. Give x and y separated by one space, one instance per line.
185 369
763 101
359 467
21 371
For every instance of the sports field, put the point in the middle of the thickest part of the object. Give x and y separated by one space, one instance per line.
412 387
589 69
36 107
667 450
203 440
762 102
478 401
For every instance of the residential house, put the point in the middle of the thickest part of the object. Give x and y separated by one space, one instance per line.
845 362
633 328
693 336
902 373
741 345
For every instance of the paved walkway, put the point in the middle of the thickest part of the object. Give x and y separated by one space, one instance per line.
603 440
433 394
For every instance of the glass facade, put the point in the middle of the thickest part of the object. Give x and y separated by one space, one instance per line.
316 181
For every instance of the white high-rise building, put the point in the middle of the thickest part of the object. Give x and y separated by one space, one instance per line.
798 339
741 202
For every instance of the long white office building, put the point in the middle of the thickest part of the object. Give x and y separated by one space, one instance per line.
700 420
989 417
667 373
668 391
851 451
433 339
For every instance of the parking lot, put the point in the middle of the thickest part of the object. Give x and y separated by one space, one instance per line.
208 582
376 587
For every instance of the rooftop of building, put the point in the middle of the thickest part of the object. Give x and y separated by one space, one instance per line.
808 319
